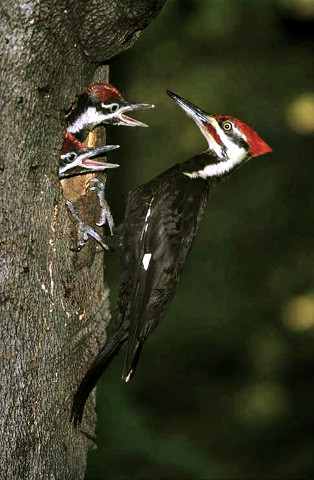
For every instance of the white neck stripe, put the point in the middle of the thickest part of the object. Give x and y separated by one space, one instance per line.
90 117
217 169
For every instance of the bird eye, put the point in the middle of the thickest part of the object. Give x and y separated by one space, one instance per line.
112 107
227 126
69 157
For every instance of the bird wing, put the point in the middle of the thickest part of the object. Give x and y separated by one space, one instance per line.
172 217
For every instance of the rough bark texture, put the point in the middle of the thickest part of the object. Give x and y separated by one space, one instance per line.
54 305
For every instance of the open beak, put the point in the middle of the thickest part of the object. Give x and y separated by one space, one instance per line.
128 121
86 160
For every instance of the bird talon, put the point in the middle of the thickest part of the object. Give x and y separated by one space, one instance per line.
99 186
105 214
84 230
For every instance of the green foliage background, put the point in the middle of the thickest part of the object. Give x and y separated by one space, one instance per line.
225 386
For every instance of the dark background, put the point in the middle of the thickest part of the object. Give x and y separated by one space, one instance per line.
225 386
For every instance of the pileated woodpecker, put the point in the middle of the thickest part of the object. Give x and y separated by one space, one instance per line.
161 220
74 154
102 103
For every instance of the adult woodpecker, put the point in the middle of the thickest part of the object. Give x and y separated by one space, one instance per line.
101 103
161 220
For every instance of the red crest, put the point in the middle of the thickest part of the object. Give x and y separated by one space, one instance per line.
104 92
256 143
71 144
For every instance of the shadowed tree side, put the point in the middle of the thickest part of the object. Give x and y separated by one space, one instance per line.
54 305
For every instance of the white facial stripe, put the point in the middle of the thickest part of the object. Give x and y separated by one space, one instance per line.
228 149
90 117
232 150
109 105
212 144
146 260
229 152
219 169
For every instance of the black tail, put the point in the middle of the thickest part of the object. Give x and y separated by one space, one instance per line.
131 362
99 365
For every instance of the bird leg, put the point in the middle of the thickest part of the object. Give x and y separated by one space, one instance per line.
105 215
84 230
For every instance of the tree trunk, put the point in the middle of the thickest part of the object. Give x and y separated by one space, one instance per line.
53 303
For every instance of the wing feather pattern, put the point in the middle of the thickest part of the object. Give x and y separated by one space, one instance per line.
169 227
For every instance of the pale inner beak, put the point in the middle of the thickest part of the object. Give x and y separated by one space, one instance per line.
97 164
129 121
85 160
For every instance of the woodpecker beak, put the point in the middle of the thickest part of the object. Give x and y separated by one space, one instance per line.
85 160
128 121
198 115
205 122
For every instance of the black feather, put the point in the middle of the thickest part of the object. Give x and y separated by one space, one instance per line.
111 348
162 218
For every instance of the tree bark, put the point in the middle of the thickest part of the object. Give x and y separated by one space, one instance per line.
53 303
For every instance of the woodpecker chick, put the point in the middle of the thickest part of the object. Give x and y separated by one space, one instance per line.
74 154
101 103
161 220
84 230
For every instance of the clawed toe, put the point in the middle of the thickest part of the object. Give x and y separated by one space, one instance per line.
84 230
105 214
98 185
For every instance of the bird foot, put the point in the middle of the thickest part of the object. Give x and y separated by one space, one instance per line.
105 215
84 230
